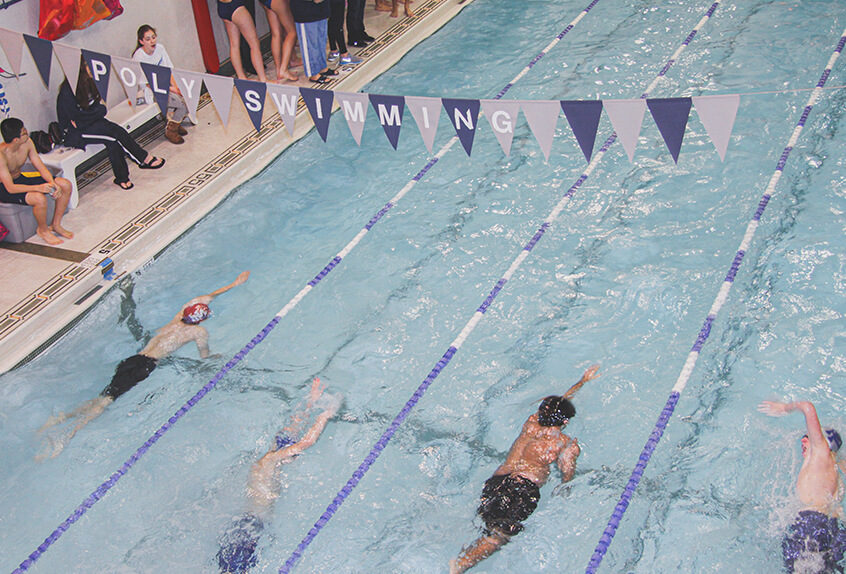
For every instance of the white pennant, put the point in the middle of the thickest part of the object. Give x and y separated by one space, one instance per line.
627 118
354 107
220 89
718 114
542 117
502 115
12 43
68 57
426 112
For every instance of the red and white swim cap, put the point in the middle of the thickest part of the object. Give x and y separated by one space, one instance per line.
195 313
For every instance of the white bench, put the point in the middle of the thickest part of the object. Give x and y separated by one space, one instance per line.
67 159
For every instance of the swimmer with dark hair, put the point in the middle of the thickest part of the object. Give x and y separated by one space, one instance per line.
816 541
182 329
512 493
237 554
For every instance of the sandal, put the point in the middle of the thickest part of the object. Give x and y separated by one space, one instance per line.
321 79
125 185
329 72
152 163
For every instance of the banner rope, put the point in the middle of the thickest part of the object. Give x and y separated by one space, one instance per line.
107 485
705 331
386 436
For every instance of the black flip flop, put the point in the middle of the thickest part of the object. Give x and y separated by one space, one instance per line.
124 185
321 79
150 166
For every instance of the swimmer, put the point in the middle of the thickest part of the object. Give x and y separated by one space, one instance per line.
237 552
182 329
512 493
816 541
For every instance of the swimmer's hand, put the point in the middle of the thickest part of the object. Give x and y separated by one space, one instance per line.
317 389
590 374
242 278
774 408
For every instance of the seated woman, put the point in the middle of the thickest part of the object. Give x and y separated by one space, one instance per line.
83 120
237 20
149 51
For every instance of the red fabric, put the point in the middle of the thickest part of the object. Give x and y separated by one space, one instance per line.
55 18
115 7
3 231
88 12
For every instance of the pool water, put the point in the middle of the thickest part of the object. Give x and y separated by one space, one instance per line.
623 278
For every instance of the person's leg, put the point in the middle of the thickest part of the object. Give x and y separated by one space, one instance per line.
275 37
62 200
355 21
314 59
241 18
336 27
282 10
483 547
235 48
38 201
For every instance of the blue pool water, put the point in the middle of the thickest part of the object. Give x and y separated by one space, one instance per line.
623 278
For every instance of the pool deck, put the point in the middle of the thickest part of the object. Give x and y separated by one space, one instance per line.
44 289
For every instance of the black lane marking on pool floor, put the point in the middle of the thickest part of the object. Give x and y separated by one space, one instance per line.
46 251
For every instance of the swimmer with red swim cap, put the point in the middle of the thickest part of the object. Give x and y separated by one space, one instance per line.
183 328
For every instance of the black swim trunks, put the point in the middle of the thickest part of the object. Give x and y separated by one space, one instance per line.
129 373
237 554
19 198
815 539
507 500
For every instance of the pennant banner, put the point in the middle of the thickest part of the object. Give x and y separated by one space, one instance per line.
285 98
626 117
542 117
718 114
130 75
463 115
252 94
389 109
99 65
68 57
583 117
42 53
191 86
12 43
502 115
220 90
670 115
426 113
319 105
354 108
158 78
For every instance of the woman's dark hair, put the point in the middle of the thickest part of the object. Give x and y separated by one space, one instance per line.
555 411
87 93
141 31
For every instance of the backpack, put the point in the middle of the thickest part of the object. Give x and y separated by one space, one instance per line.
42 141
54 130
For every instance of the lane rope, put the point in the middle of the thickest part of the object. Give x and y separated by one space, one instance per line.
705 331
380 445
117 475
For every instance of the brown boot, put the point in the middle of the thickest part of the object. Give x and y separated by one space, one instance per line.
182 131
172 133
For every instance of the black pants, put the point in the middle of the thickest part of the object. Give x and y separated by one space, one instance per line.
118 142
336 26
355 21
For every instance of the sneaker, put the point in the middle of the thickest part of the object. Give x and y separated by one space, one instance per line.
350 60
333 56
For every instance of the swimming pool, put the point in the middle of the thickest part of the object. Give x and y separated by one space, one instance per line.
624 278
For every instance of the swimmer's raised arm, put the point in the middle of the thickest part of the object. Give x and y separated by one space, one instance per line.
589 375
240 280
812 421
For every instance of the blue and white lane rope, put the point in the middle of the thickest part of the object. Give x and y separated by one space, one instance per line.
116 476
705 331
380 445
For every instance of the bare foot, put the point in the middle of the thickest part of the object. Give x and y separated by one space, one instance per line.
383 6
408 11
61 231
394 13
48 236
296 62
289 75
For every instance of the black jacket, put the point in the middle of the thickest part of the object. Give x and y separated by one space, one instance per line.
69 111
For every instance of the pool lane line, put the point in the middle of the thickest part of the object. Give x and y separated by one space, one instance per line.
380 445
116 476
705 331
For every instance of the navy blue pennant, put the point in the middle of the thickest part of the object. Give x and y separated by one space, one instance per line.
670 115
158 77
100 66
389 110
463 114
252 94
42 53
583 117
319 105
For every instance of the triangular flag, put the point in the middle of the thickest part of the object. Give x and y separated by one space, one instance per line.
502 115
130 75
627 118
354 108
158 78
670 115
191 86
68 57
583 117
463 115
718 114
285 98
220 89
252 94
426 113
12 43
42 53
100 67
389 110
319 104
542 117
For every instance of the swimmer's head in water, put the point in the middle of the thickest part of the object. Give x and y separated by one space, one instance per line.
555 411
834 440
195 313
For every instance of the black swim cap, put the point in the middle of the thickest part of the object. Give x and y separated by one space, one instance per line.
555 411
